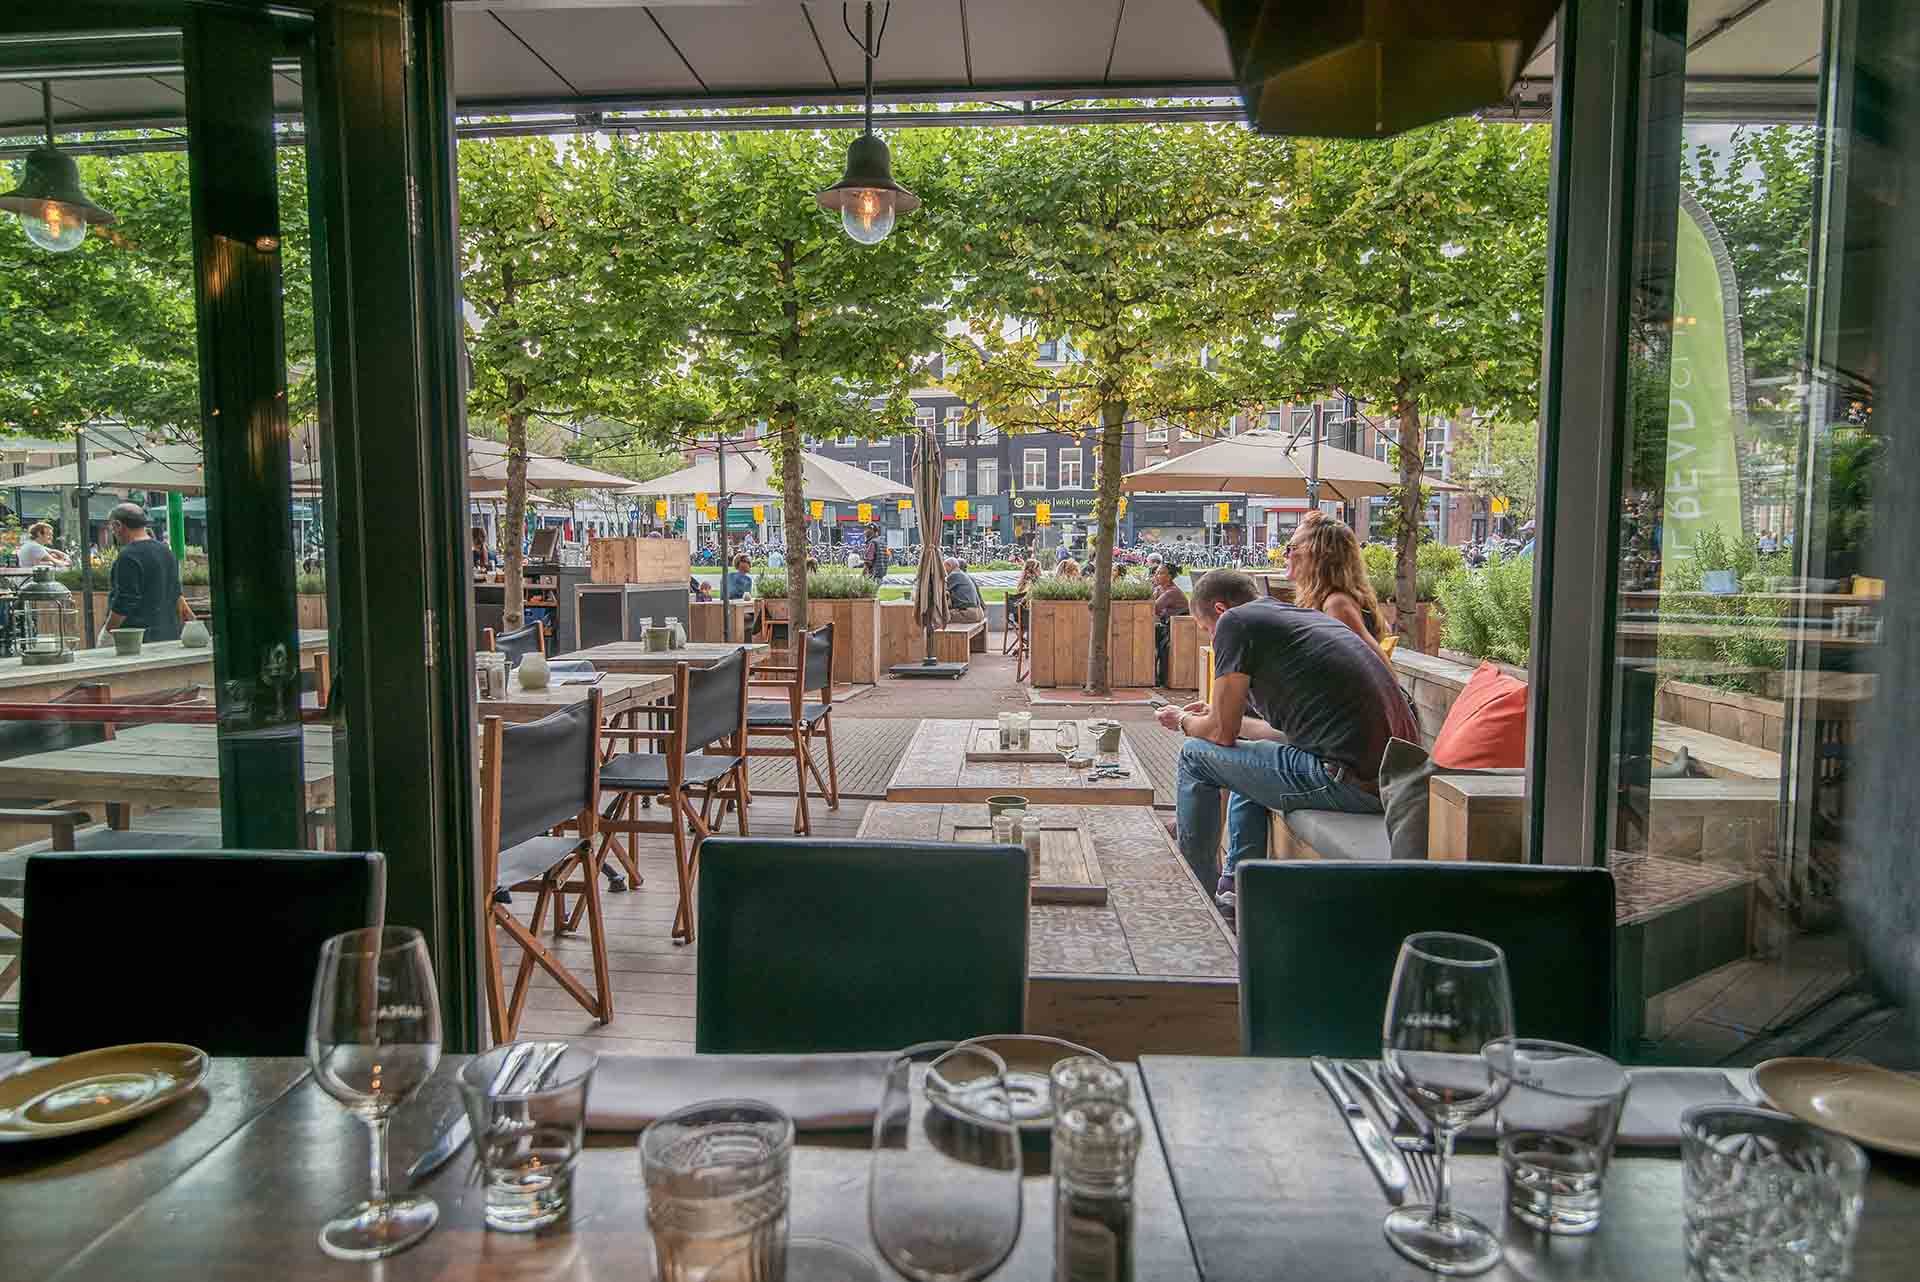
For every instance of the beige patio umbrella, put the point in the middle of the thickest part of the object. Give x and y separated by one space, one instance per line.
1272 463
751 473
156 467
487 471
930 607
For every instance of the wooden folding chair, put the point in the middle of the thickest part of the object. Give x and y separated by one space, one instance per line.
704 750
518 644
534 780
797 720
1015 642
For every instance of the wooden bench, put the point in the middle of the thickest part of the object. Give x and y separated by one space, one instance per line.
954 642
1485 815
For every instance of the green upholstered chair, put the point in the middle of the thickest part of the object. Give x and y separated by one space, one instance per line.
821 945
1318 943
215 948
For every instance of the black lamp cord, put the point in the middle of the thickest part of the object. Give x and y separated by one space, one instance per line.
870 46
46 107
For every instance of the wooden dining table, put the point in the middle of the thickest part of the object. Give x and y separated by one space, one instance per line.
160 665
635 657
620 693
155 765
937 767
234 1184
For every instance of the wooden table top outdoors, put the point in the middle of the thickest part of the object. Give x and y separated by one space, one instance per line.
633 656
105 664
157 765
619 692
240 1191
1267 1171
935 768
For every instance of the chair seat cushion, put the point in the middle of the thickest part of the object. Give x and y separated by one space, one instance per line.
532 857
647 771
772 713
1338 834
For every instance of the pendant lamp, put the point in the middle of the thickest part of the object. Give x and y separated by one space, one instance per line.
1369 68
53 209
867 198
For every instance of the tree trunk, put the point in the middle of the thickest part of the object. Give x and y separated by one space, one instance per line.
793 500
1113 416
514 536
1413 449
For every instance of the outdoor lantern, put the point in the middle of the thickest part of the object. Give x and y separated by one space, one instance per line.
47 619
1368 68
53 210
866 197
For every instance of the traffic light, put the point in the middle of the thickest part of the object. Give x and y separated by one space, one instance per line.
1224 509
866 512
818 509
962 509
1123 506
1043 513
759 513
906 505
660 509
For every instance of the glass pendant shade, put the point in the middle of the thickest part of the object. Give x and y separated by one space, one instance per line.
53 209
1369 68
867 198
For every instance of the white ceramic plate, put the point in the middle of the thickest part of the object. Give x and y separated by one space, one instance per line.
95 1089
1874 1106
1030 1060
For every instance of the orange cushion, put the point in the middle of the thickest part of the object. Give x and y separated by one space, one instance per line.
1487 726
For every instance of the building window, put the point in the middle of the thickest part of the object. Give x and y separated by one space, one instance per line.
956 425
1069 469
1050 350
987 471
1436 446
1033 469
956 477
850 440
1156 433
923 417
984 431
881 467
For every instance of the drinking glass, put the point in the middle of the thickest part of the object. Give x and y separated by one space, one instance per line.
1066 737
1767 1197
943 1194
1556 1124
1449 999
527 1133
373 1038
717 1191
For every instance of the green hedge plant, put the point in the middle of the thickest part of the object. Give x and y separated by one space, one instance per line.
828 583
1490 610
1052 587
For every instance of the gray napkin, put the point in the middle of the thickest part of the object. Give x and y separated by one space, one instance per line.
1651 1118
819 1092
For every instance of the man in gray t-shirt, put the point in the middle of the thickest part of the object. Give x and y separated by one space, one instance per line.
1301 714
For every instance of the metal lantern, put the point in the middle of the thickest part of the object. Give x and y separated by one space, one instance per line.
1369 68
49 201
47 618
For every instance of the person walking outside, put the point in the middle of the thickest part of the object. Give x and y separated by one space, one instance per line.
875 560
1169 602
1301 714
964 602
36 548
144 587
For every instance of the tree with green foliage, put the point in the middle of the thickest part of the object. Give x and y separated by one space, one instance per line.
555 328
1142 249
1413 277
1501 461
777 315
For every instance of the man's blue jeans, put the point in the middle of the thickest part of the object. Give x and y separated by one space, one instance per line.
1261 775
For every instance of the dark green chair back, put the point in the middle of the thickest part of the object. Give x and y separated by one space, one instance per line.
819 945
1318 943
214 948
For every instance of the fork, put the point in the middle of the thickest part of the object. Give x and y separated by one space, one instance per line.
1417 1150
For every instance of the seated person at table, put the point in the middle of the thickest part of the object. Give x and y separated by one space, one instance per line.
1278 671
964 604
739 584
1069 568
35 548
144 587
1330 575
698 589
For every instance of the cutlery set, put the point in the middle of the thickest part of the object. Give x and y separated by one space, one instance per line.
1402 1155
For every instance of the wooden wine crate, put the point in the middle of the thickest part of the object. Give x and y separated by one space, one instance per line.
628 560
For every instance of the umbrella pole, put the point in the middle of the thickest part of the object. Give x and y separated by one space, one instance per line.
726 604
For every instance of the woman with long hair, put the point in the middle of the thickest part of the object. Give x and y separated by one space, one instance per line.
1330 575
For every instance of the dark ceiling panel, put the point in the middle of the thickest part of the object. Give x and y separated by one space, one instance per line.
603 51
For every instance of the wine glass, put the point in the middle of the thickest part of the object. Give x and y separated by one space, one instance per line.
373 1038
1449 999
943 1196
1066 737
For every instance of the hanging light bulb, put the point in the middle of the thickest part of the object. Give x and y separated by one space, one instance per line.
867 198
53 210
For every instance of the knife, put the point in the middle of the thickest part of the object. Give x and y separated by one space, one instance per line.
1380 1155
460 1130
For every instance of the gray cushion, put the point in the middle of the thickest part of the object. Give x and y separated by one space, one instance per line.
647 771
1338 834
532 857
1406 775
772 713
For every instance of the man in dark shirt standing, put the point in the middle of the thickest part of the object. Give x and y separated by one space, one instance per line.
1301 714
144 588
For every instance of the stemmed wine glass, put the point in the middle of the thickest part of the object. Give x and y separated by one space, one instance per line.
1066 737
373 1038
1449 999
943 1195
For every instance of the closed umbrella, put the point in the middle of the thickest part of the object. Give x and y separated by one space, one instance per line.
930 609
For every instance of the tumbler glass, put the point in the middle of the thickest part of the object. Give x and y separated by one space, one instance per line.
1767 1197
717 1191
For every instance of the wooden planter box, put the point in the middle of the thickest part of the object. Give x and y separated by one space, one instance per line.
1061 630
899 640
856 637
627 560
310 610
1428 623
703 621
1744 718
